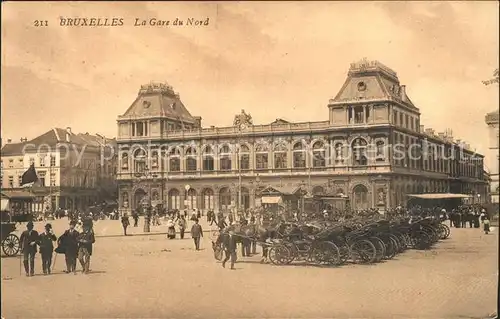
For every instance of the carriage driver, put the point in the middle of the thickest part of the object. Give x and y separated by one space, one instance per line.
28 243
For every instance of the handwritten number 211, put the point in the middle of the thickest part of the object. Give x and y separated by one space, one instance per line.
41 23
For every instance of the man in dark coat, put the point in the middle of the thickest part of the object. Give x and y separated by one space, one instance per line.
229 248
69 240
125 223
196 234
46 244
28 242
135 216
85 242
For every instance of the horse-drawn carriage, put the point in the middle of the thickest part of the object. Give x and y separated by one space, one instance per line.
9 241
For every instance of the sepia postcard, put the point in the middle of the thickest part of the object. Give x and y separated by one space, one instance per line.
241 159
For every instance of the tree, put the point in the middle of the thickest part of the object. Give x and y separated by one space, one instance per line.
494 80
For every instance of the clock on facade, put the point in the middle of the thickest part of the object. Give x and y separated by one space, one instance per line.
146 104
361 86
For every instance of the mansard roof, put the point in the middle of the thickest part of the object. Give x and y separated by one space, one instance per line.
371 80
12 149
158 100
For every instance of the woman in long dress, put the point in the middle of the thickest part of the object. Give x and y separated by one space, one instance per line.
170 229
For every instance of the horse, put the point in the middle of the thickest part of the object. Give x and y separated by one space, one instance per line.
246 234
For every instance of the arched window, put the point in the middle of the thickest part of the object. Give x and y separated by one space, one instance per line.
280 158
140 160
261 156
191 199
360 197
207 199
225 158
359 152
190 156
174 160
125 161
299 155
174 199
244 157
319 154
208 159
224 198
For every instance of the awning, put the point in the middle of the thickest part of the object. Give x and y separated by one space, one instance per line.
439 196
18 194
271 199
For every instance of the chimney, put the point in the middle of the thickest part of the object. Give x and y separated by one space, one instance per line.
9 140
441 135
68 130
459 142
402 92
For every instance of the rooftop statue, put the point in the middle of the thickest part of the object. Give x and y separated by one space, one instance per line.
242 120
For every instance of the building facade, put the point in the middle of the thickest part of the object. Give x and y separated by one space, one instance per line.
371 147
493 153
74 170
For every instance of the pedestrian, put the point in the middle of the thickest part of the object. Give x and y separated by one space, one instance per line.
483 215
125 223
135 216
230 219
46 244
230 249
170 229
198 214
182 226
196 234
28 242
85 243
69 243
486 225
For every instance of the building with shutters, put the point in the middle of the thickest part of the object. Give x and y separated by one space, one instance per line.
371 148
74 170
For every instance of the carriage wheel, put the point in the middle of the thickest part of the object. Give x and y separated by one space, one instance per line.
280 255
10 245
326 253
363 251
380 247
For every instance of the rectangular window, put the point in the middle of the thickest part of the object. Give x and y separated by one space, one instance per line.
245 161
21 162
52 160
42 160
261 161
11 181
191 164
406 121
52 179
401 115
280 160
11 163
225 163
175 164
41 178
20 179
299 159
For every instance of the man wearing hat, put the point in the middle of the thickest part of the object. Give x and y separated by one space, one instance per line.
230 249
69 240
45 242
85 241
28 241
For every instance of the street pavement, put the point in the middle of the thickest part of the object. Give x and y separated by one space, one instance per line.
151 277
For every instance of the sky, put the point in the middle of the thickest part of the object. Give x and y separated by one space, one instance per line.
274 60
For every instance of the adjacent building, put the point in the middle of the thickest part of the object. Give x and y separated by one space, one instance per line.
493 154
74 170
371 148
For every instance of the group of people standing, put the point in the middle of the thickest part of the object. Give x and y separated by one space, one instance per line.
72 243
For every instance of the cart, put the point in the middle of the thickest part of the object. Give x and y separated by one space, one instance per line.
10 241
